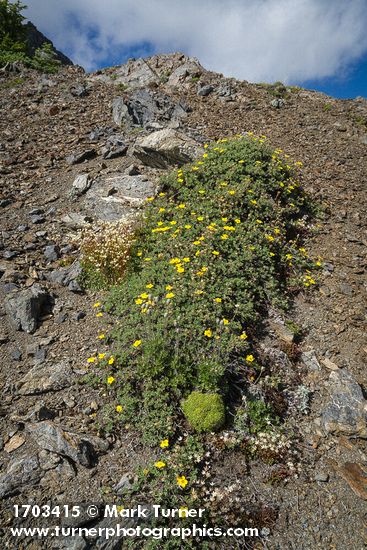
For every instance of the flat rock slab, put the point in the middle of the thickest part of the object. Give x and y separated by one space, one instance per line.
346 412
165 148
44 378
25 307
80 448
117 197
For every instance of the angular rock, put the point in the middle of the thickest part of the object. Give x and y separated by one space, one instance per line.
205 90
119 111
51 253
355 476
189 70
115 147
25 307
81 156
224 90
346 412
14 443
309 359
80 448
136 73
164 148
79 90
67 276
26 471
117 197
277 103
125 483
146 107
44 378
76 220
81 184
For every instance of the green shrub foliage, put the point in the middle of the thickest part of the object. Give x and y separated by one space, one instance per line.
220 242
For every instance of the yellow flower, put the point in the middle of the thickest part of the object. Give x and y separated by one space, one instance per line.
162 210
97 304
237 220
139 301
101 336
241 162
101 355
110 380
91 359
173 222
218 300
180 269
188 226
186 260
228 227
160 464
118 408
144 295
170 295
181 206
250 358
147 259
137 343
253 201
111 360
225 322
149 285
205 155
182 481
243 336
174 261
163 444
100 314
231 192
169 287
224 236
208 333
215 252
149 199
162 194
139 254
200 218
196 243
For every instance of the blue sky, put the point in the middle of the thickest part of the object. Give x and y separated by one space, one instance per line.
317 44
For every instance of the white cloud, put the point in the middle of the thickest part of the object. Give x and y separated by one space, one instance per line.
255 40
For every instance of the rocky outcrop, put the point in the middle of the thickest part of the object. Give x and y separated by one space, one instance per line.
35 39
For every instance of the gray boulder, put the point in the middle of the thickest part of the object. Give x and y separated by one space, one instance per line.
146 107
346 412
45 378
80 448
164 148
81 184
67 276
115 147
119 110
25 307
117 197
26 471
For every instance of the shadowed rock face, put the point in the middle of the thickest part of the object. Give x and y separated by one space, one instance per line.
35 39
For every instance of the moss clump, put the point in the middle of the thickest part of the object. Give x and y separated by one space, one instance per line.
205 412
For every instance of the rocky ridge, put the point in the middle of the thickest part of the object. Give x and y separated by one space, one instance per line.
78 148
